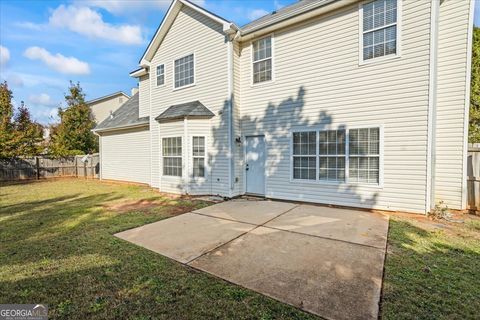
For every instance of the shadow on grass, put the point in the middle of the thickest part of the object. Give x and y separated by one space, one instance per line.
430 274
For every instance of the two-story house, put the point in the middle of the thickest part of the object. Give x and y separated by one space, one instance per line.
342 102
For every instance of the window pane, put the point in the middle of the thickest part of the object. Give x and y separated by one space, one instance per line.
304 168
184 71
381 41
199 167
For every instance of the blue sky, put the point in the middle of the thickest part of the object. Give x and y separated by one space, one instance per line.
44 44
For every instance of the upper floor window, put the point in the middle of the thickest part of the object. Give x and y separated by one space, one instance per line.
262 60
379 34
160 75
184 71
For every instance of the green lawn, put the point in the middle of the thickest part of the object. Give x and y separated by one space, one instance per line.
56 247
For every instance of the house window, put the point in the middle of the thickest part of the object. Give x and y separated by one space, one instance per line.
379 29
262 60
172 156
356 151
331 160
160 75
184 71
198 155
305 155
364 149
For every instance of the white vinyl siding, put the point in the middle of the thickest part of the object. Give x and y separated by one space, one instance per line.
160 75
144 96
262 60
125 155
379 34
211 89
321 84
172 156
184 71
451 100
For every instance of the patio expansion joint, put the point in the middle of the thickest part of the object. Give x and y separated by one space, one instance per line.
256 226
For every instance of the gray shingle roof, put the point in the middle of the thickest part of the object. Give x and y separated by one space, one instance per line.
189 109
125 116
287 12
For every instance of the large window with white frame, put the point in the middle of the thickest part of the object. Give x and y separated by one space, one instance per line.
160 75
184 71
172 156
380 28
198 156
342 155
262 60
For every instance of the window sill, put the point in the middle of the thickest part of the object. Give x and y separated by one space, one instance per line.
337 183
184 87
261 84
379 60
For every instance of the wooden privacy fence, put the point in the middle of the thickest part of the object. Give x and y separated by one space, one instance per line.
473 177
42 167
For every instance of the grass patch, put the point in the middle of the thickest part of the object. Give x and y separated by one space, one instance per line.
432 273
56 247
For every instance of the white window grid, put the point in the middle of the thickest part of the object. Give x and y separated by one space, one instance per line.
379 34
160 75
262 60
331 155
360 158
198 156
184 71
172 156
304 155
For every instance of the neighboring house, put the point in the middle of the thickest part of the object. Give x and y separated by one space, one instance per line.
361 104
102 107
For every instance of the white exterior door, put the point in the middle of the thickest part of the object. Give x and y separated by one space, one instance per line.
255 164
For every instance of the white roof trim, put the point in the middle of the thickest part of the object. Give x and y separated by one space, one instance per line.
138 73
170 16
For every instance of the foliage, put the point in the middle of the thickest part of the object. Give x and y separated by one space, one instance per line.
474 129
22 136
440 211
73 134
7 147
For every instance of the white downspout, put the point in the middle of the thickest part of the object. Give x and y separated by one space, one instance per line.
432 104
231 132
99 153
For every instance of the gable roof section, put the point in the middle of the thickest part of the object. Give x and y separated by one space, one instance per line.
286 13
168 20
115 94
124 117
194 109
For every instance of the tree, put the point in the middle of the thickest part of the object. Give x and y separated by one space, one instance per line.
73 134
474 128
7 147
28 133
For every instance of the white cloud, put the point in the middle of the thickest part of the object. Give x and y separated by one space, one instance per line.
257 13
30 25
42 99
14 80
88 22
278 5
58 62
119 7
4 55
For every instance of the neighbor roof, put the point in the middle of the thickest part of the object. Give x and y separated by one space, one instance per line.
108 96
287 12
124 117
189 109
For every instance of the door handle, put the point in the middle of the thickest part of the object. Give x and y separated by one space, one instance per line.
246 168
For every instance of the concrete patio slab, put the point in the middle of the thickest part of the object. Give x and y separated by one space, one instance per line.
185 237
334 279
354 226
248 211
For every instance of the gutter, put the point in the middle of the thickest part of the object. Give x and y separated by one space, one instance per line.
432 105
128 126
